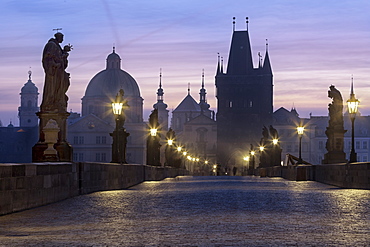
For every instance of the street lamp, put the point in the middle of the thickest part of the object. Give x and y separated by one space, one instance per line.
352 104
300 130
119 134
153 132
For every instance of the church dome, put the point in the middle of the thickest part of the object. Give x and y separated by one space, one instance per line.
109 81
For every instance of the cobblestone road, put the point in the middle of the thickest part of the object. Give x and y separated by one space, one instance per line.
199 211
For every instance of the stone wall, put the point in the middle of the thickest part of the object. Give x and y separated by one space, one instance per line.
24 186
354 176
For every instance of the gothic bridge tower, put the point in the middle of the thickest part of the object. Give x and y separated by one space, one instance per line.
244 100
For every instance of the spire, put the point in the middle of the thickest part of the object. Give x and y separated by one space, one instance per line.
259 60
188 88
218 64
352 93
203 100
160 92
246 22
240 56
266 63
160 104
29 74
222 65
202 92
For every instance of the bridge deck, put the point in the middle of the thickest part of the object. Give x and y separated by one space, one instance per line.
199 211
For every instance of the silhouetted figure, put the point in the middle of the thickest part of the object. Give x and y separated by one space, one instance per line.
54 62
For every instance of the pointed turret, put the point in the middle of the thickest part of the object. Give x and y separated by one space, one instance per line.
266 63
218 71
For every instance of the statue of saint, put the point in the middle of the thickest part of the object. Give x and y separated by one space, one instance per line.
54 62
336 107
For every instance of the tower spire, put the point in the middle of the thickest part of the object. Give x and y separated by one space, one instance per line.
246 22
352 93
160 92
218 64
188 88
222 65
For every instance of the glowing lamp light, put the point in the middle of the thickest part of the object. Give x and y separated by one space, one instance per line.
170 142
300 130
275 141
206 162
179 149
117 108
189 158
153 132
246 158
184 153
214 166
197 159
352 104
262 148
253 152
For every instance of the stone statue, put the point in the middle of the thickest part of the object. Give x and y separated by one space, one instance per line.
54 62
335 131
273 133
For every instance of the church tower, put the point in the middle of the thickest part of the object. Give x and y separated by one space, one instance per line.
161 106
204 106
244 100
27 110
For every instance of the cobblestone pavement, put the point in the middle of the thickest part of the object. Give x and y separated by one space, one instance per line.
199 211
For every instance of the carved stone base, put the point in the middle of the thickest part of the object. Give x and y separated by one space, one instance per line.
63 148
334 157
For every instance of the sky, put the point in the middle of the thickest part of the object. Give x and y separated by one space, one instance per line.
312 44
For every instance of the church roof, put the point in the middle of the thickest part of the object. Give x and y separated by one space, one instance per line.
188 104
109 81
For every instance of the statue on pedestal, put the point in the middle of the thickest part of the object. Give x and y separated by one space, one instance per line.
54 100
335 131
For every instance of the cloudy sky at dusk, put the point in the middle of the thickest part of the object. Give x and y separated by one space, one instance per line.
312 44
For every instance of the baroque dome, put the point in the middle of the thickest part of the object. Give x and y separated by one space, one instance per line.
108 82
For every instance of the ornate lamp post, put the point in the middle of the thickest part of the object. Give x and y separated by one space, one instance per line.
352 104
300 130
119 134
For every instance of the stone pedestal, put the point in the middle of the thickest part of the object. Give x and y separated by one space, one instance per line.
63 148
334 145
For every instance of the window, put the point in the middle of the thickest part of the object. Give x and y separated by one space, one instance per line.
97 157
357 145
103 139
364 145
75 156
80 140
103 157
230 104
98 140
251 103
364 158
75 140
80 157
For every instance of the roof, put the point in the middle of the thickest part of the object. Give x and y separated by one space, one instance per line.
188 104
109 81
240 55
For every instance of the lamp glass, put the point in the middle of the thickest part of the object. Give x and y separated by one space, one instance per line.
179 149
117 108
170 142
275 141
262 148
153 132
300 130
352 106
252 153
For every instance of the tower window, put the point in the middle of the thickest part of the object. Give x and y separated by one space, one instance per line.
251 103
230 104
